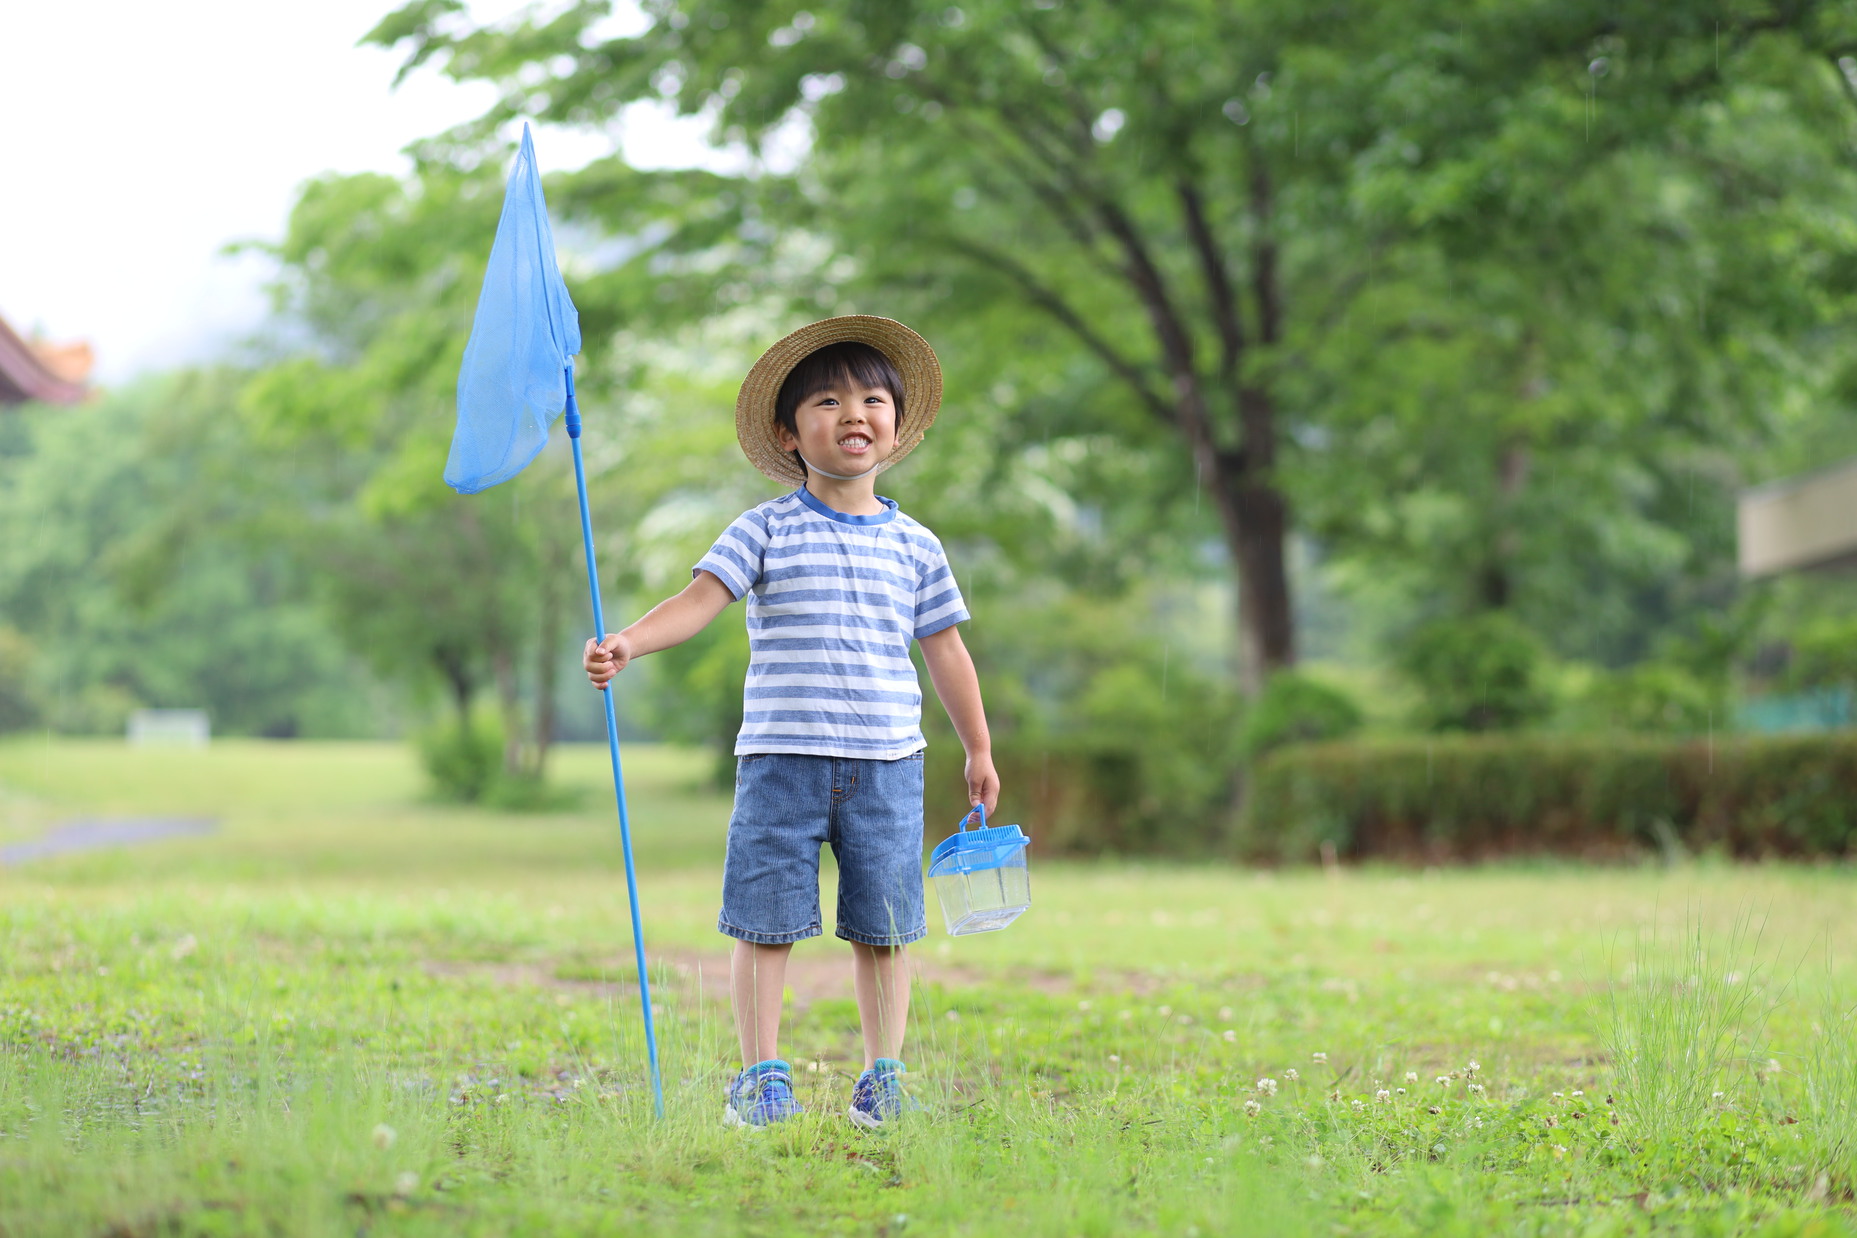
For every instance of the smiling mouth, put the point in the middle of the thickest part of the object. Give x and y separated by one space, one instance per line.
856 444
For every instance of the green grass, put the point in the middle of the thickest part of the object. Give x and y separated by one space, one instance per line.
352 1010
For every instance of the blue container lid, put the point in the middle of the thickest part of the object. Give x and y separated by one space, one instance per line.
966 851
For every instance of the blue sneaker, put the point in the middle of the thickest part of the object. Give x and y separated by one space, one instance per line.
761 1095
879 1099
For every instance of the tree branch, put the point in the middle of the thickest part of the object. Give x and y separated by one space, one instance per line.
1047 298
1219 289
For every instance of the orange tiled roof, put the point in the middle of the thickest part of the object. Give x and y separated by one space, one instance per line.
49 373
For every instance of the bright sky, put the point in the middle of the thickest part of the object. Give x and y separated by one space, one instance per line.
142 138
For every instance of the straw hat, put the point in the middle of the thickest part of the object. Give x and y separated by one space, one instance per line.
907 351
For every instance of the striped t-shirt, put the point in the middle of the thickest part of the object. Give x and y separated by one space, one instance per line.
833 602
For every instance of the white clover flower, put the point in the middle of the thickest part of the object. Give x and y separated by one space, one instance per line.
1252 1109
1383 1095
1115 1057
1444 1081
1166 1010
1399 1091
406 1184
1475 1065
1576 1093
1267 1086
1292 1074
1557 1097
1231 1036
1225 1012
384 1136
1320 1059
1717 1095
1412 1076
1476 1089
1433 1109
1358 1107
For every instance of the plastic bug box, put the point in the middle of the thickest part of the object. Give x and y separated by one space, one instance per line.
980 877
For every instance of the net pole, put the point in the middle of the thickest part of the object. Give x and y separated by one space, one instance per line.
612 743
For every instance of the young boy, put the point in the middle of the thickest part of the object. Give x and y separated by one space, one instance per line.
838 582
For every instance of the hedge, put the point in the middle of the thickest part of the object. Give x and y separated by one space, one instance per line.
1472 797
1091 798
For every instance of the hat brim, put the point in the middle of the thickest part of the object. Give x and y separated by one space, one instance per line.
914 360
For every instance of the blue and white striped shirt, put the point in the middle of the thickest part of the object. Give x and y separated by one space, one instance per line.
833 602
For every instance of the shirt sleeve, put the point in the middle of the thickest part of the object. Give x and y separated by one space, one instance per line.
737 557
938 598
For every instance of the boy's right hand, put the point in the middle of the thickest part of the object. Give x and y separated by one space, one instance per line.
606 659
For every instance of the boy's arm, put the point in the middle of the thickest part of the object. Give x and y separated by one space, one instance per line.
952 672
671 622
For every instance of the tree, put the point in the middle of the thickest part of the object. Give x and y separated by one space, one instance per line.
137 569
1197 193
378 280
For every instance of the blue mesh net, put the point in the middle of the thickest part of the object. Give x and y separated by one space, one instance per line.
512 386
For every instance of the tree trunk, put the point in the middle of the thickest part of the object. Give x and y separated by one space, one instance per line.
547 658
509 704
456 670
1255 518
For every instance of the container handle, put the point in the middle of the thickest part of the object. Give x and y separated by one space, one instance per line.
981 809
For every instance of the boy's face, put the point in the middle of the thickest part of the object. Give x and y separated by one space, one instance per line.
846 428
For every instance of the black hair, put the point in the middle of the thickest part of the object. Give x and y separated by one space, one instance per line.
848 361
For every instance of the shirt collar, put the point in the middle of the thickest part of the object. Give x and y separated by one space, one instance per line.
813 501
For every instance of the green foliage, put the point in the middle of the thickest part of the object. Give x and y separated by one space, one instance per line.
1824 654
1297 709
18 706
140 565
465 762
462 756
1133 767
1652 697
1481 673
1605 796
1507 303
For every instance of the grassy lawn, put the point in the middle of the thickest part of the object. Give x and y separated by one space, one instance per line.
349 1010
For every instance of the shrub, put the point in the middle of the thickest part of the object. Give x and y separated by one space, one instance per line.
462 758
1467 797
1295 709
1652 697
1481 673
1824 654
1141 769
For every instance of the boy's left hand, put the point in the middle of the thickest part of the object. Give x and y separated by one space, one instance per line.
982 781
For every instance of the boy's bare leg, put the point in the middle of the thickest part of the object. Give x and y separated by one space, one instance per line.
757 985
880 976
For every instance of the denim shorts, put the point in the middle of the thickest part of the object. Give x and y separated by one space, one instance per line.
789 805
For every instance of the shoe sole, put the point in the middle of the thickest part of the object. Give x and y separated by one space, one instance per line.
734 1120
869 1122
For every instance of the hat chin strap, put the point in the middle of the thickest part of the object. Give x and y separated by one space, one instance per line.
839 476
